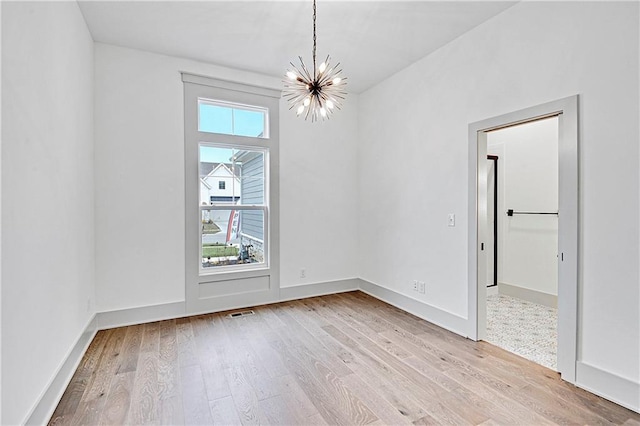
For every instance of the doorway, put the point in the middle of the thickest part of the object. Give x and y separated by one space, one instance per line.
522 240
480 233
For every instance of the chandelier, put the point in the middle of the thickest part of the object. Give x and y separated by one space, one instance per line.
314 94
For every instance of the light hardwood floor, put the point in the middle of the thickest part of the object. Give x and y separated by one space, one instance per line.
341 359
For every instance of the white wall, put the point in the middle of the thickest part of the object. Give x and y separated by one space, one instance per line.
532 53
527 181
318 196
47 148
139 134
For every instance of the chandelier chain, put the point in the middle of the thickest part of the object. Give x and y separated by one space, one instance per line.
314 39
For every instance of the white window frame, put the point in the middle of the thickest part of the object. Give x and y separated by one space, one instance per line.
264 207
230 286
235 105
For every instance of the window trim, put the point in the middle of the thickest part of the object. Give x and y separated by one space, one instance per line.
229 288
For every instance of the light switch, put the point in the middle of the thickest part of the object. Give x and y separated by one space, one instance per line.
452 219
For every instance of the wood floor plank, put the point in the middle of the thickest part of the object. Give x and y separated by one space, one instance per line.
255 370
116 408
393 315
212 370
426 386
296 332
458 360
403 395
360 322
194 397
145 394
71 398
131 348
334 401
339 359
112 359
244 397
170 410
316 420
150 337
259 332
187 353
426 420
440 414
60 420
382 408
502 396
223 412
395 388
297 400
277 412
478 409
224 346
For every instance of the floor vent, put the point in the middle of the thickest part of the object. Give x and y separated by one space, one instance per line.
240 314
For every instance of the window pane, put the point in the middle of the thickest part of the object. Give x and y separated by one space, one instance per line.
230 119
248 123
232 237
215 119
231 176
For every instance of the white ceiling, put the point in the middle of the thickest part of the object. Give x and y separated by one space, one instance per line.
371 40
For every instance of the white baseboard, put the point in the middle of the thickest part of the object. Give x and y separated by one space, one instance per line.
442 318
140 315
492 291
610 386
318 289
48 401
533 296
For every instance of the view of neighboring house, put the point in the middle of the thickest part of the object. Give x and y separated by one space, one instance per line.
240 182
219 183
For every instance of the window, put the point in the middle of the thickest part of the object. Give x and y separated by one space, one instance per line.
233 227
232 119
231 151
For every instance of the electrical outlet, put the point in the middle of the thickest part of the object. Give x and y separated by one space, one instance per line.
421 287
303 273
415 285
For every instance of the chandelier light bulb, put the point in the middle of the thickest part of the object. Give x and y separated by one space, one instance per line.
314 92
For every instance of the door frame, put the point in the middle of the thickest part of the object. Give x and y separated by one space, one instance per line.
566 110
